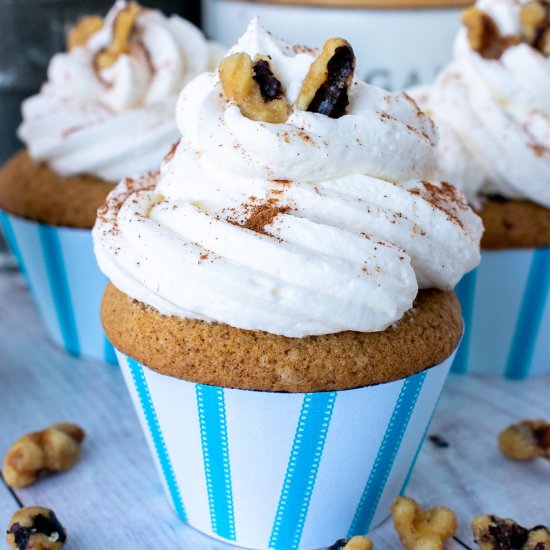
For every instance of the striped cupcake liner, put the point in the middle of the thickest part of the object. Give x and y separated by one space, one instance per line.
506 309
283 470
60 269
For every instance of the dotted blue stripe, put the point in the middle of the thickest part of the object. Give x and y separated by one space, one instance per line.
301 473
150 414
109 352
466 294
57 277
215 452
12 242
534 301
387 452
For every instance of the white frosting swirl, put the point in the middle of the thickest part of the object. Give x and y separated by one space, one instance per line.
314 226
494 116
119 120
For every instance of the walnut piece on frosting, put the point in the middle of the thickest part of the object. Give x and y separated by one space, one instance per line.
326 86
494 533
483 34
527 440
421 529
123 27
254 88
534 19
81 32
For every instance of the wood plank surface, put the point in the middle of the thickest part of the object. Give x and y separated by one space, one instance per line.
113 498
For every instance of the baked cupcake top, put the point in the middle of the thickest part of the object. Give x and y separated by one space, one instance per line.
492 103
297 202
107 108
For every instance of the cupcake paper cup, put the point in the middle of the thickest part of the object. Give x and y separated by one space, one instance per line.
283 470
60 269
506 309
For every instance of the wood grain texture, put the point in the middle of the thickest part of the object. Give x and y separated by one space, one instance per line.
113 498
378 4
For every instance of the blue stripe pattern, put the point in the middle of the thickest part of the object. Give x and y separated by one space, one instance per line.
55 268
465 291
215 452
12 242
387 452
301 474
533 304
150 414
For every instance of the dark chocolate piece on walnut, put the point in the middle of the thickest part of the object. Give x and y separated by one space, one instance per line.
270 87
525 441
494 533
326 87
35 527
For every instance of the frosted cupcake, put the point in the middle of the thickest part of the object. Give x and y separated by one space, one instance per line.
106 111
265 295
492 107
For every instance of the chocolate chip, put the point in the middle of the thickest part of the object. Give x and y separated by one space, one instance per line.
508 536
270 87
439 441
331 99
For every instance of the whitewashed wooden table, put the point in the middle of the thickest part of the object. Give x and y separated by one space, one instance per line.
113 498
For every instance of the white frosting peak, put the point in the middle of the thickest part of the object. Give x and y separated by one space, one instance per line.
494 116
119 120
312 226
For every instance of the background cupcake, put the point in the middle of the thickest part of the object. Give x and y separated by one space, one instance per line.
106 111
281 248
492 108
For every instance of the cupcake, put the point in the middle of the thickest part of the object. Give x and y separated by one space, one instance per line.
106 111
492 108
264 296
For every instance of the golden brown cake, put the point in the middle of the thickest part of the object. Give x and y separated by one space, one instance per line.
35 192
514 224
221 355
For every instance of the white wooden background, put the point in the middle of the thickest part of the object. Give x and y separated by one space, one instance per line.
113 498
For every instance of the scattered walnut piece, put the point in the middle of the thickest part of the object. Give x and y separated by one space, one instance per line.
352 543
122 30
326 85
35 528
81 32
484 35
419 529
494 533
527 440
54 449
254 88
535 24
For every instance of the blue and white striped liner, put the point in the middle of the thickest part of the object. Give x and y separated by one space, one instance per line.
61 272
279 470
506 309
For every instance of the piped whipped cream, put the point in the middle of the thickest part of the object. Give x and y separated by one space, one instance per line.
119 120
311 226
494 115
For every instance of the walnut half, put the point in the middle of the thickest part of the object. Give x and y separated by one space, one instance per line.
535 24
326 86
254 88
484 35
494 533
